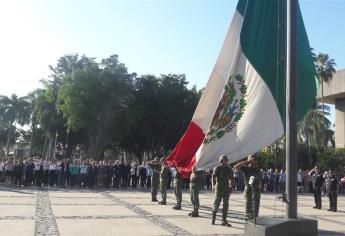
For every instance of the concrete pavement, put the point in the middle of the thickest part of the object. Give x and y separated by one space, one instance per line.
130 212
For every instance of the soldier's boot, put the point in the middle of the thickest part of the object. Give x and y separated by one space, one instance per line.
191 213
154 198
162 202
196 212
214 214
225 222
178 206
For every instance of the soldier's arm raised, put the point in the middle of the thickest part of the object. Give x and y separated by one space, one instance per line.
150 162
240 164
311 171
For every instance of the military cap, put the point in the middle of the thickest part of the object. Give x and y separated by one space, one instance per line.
223 157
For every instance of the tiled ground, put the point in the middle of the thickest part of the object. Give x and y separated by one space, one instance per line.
90 212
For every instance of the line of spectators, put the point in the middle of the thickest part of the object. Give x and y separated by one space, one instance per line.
116 174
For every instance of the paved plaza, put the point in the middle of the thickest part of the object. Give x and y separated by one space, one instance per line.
130 212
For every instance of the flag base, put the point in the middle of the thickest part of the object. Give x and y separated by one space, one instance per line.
269 226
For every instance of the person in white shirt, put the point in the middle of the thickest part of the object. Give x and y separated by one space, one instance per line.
45 167
2 170
83 175
300 182
38 172
149 175
52 173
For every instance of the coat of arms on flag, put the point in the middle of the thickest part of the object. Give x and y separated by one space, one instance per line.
230 109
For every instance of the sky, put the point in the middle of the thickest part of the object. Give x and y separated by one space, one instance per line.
150 37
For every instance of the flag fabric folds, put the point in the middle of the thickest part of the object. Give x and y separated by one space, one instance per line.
242 108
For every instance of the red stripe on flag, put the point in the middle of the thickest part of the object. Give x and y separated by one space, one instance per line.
183 155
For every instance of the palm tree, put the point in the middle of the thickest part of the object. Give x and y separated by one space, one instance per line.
315 129
34 110
14 110
325 70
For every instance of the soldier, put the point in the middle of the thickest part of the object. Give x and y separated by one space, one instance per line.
178 189
332 194
223 182
164 181
252 187
156 168
317 185
194 187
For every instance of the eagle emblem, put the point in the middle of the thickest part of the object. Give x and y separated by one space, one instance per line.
230 109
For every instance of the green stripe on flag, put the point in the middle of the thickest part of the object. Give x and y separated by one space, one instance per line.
241 6
264 45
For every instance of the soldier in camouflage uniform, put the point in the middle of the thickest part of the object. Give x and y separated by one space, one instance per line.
194 188
252 191
164 181
156 169
178 181
223 182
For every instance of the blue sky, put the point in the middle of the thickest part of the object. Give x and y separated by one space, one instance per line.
156 37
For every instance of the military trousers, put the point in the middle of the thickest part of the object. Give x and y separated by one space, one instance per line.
333 200
252 202
178 190
222 196
154 186
317 198
163 188
194 196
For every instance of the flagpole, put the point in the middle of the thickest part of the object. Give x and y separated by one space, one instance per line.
291 116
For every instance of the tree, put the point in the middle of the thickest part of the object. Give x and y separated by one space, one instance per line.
314 129
91 97
158 114
14 110
325 70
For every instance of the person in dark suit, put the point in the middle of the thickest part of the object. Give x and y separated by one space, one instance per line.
317 185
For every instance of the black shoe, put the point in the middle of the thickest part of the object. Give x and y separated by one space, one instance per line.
154 200
177 207
225 223
191 213
195 214
162 203
329 210
315 207
214 214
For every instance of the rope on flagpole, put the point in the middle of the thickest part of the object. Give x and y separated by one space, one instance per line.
279 61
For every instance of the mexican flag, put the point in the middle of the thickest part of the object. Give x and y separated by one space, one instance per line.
242 108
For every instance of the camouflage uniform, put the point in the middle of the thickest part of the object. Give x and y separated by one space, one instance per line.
194 188
223 174
163 184
156 168
178 190
251 191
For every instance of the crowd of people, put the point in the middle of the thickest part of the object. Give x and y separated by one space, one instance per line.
90 173
157 174
77 173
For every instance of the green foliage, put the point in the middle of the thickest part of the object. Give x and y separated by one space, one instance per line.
333 159
315 130
13 110
158 113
